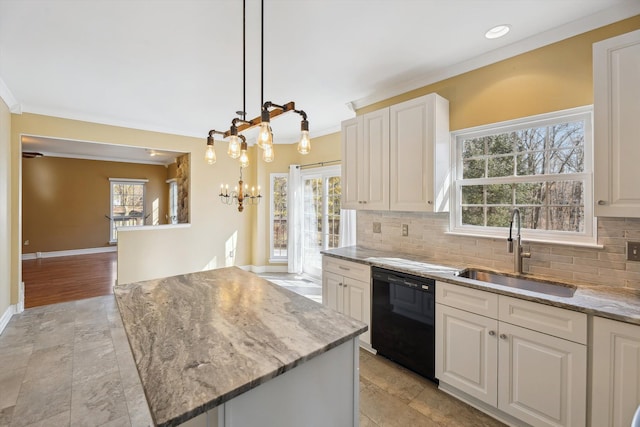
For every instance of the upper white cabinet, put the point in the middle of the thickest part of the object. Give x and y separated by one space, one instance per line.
615 390
616 79
419 154
397 158
365 159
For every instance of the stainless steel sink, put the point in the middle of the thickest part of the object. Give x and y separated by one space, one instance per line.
512 281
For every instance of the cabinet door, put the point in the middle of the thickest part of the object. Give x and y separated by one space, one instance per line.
357 303
615 392
373 188
616 80
419 154
467 352
351 162
542 380
332 290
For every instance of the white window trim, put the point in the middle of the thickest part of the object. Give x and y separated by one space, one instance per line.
272 258
128 181
588 238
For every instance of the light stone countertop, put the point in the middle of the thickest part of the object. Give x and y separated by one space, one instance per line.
201 339
606 301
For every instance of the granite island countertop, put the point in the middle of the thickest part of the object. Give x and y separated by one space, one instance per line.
201 339
611 302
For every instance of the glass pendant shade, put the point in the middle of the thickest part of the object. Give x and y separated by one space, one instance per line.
210 152
244 158
304 146
234 147
267 154
265 137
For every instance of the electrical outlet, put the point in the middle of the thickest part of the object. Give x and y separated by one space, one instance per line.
633 251
377 228
27 242
405 229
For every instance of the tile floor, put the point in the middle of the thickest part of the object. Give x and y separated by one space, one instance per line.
69 364
298 283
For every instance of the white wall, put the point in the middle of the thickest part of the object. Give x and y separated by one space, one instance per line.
5 212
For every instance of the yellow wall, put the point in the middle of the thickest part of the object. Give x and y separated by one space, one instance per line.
551 78
5 208
64 201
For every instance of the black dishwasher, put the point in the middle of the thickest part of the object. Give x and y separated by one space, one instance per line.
403 320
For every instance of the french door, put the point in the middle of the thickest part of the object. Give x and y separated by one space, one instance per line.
321 193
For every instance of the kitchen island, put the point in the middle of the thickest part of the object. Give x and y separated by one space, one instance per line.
227 348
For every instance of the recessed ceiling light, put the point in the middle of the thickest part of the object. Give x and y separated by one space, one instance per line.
497 31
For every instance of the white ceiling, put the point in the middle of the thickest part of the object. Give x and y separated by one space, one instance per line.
176 65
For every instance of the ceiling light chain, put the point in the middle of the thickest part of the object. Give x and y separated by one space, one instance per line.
268 111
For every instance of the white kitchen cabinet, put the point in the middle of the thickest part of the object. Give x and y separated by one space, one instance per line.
419 155
346 287
615 389
616 92
365 160
487 348
397 158
467 352
542 380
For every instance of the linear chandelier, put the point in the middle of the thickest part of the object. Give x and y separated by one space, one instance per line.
237 143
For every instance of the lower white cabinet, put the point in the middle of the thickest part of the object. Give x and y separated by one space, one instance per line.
346 287
615 389
534 377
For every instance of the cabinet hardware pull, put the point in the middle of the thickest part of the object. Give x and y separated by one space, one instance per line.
429 202
602 202
503 336
492 333
342 267
339 284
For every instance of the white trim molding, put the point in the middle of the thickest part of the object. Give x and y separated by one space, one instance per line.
71 252
6 316
9 99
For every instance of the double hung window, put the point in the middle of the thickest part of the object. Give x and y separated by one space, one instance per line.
127 204
541 165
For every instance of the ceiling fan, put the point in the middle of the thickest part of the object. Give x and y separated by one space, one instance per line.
31 154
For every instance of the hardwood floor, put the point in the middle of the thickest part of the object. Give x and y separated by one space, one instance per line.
62 279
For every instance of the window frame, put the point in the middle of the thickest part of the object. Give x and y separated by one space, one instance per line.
125 181
586 238
273 259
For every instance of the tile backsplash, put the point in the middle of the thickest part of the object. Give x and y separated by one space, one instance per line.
427 236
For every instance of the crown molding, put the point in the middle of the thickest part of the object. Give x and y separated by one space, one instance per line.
8 98
579 26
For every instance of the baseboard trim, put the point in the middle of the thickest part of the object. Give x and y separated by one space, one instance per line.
6 316
71 252
265 268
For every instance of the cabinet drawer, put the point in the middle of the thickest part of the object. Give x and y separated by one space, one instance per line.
468 299
350 269
555 321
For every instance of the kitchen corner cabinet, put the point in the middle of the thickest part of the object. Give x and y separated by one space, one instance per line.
346 287
521 360
616 109
397 158
615 390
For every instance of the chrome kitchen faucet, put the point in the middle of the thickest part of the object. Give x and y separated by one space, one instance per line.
518 254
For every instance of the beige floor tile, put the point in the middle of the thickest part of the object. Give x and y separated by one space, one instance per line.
98 401
393 379
59 420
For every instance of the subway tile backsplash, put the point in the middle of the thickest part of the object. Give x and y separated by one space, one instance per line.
607 266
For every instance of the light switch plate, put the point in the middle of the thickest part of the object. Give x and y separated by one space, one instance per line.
377 228
633 251
405 229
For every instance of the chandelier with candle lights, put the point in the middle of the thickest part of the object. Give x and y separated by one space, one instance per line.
240 195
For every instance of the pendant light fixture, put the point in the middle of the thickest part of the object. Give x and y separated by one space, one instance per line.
237 148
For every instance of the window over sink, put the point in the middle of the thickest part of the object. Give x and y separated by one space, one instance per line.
539 164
